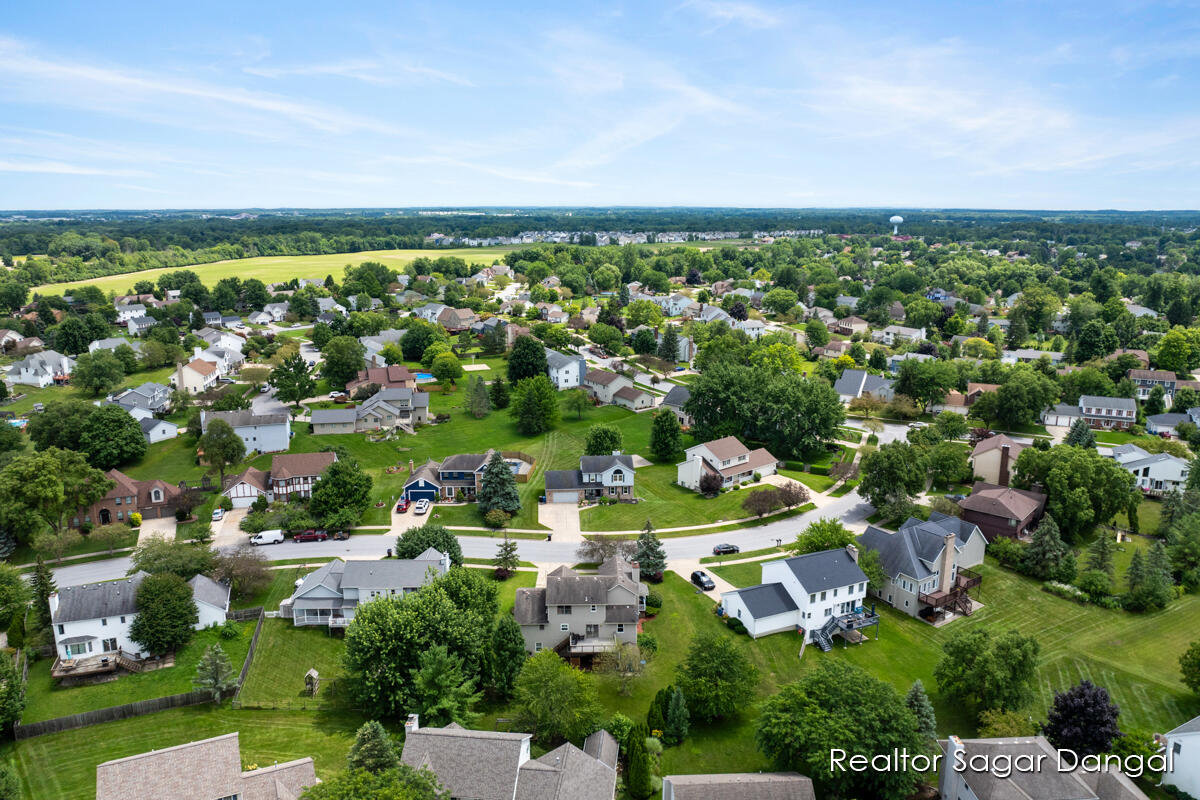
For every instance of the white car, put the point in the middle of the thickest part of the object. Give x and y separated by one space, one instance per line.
421 507
218 514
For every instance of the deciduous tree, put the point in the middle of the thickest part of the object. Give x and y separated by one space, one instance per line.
1083 719
716 677
527 360
603 440
555 701
111 437
293 380
222 447
166 614
988 670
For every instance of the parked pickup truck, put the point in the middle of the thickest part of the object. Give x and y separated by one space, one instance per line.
310 536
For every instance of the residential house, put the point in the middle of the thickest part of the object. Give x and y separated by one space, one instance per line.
896 311
42 369
818 595
848 326
130 311
927 564
10 339
566 369
158 430
597 476
92 621
823 314
122 300
1024 355
633 398
602 385
961 402
835 348
225 360
362 302
975 769
496 765
1101 413
1146 379
455 320
674 305
739 786
139 325
261 433
430 311
153 499
894 362
711 313
460 475
1140 312
1182 746
894 334
1155 474
753 328
207 769
1141 355
483 326
1164 424
1002 510
675 401
581 615
291 475
845 301
513 332
277 311
112 343
211 317
327 421
153 397
260 318
328 305
685 349
995 458
392 376
330 595
858 382
390 407
221 340
196 377
728 458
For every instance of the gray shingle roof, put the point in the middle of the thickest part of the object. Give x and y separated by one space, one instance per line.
465 462
741 786
677 396
601 463
1095 401
334 416
241 419
557 360
566 773
825 570
482 765
767 599
1191 726
529 608
603 747
206 590
95 600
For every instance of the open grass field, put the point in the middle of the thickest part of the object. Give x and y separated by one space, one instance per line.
46 701
271 269
1149 516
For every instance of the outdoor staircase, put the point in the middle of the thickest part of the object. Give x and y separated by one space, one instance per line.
963 603
127 663
824 635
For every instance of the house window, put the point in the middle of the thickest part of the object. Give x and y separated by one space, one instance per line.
593 609
564 611
156 495
117 501
822 596
120 515
812 598
829 612
862 587
104 621
621 626
110 645
122 620
537 647
835 592
564 627
60 630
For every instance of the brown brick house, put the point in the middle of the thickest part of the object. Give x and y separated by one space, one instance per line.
1002 510
152 499
394 376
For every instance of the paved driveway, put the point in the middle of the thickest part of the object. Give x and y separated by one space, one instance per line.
686 566
562 519
157 529
226 533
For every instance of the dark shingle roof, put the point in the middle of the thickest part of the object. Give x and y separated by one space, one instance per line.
95 600
330 416
825 570
238 419
529 608
601 463
603 747
766 600
677 396
741 786
563 479
482 765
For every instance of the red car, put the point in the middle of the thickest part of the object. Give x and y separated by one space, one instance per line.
402 506
310 536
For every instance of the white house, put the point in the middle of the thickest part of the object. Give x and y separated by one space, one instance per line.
260 318
221 339
1160 424
93 619
753 328
430 311
566 371
330 306
330 595
597 476
262 433
158 430
277 311
42 369
1154 473
728 458
112 343
1182 745
292 475
898 333
855 383
820 594
674 305
128 312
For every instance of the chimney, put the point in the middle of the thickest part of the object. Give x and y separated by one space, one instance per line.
950 779
412 724
1004 455
945 579
853 552
411 467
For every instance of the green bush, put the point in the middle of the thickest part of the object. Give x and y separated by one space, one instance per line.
229 630
734 624
654 600
16 632
648 645
1008 552
1065 591
619 726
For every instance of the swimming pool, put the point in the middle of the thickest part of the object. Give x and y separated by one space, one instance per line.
424 376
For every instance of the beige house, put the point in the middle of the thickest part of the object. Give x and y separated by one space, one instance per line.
603 386
995 459
196 377
727 458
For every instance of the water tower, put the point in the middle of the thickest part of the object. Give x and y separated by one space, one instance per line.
896 220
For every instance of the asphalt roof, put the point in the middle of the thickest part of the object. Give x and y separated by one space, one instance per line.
825 570
741 786
240 419
95 600
601 463
329 416
677 396
766 600
206 590
478 764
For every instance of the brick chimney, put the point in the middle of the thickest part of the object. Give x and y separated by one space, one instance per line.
945 576
411 467
1004 456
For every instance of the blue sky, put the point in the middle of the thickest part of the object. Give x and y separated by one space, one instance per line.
700 102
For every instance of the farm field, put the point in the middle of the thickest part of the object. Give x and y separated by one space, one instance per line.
271 269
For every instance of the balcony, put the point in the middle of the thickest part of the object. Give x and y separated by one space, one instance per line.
966 579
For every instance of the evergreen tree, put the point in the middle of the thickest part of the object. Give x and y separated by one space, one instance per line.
1149 580
918 703
1131 512
666 437
372 749
214 673
505 657
623 295
668 348
638 783
506 560
1100 554
1081 434
1173 506
535 407
42 585
656 716
678 722
477 398
650 555
498 394
12 692
1048 557
498 488
441 692
527 360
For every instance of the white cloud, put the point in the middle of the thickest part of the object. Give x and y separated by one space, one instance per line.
62 168
378 72
724 12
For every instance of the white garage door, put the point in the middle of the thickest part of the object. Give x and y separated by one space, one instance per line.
564 497
242 502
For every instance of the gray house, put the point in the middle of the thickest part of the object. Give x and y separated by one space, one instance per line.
739 786
675 400
566 371
926 564
153 397
581 615
597 476
330 595
857 382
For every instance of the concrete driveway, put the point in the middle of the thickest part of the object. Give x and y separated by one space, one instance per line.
685 567
226 533
562 519
157 529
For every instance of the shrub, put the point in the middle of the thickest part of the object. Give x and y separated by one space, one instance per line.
229 630
654 600
496 518
1008 552
16 631
1065 591
648 645
181 514
654 746
255 522
734 624
619 726
135 519
226 503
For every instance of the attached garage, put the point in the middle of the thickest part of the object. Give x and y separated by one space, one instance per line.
763 609
420 490
563 496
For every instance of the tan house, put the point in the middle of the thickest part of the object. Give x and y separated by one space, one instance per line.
603 386
727 458
196 377
848 326
994 459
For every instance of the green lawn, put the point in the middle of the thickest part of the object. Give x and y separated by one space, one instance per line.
270 269
1115 437
818 483
173 461
846 488
48 394
24 554
740 575
284 654
1149 517
46 701
281 587
766 551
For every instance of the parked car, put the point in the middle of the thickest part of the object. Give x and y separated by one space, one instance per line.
267 537
421 507
218 514
726 549
402 506
954 498
266 387
310 536
38 407
224 380
916 426
703 581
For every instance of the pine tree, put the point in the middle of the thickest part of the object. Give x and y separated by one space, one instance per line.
42 584
372 749
498 394
668 348
666 437
1081 434
498 489
656 716
441 692
1135 576
505 657
623 295
1131 511
1045 558
918 703
1100 555
214 673
1173 506
638 784
477 398
678 722
12 692
506 559
650 555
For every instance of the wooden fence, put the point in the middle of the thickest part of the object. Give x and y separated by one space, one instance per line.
243 614
528 459
141 707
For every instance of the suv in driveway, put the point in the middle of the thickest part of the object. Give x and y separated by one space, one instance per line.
310 536
726 549
703 581
421 507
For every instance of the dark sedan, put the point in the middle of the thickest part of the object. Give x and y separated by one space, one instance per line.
726 549
703 581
